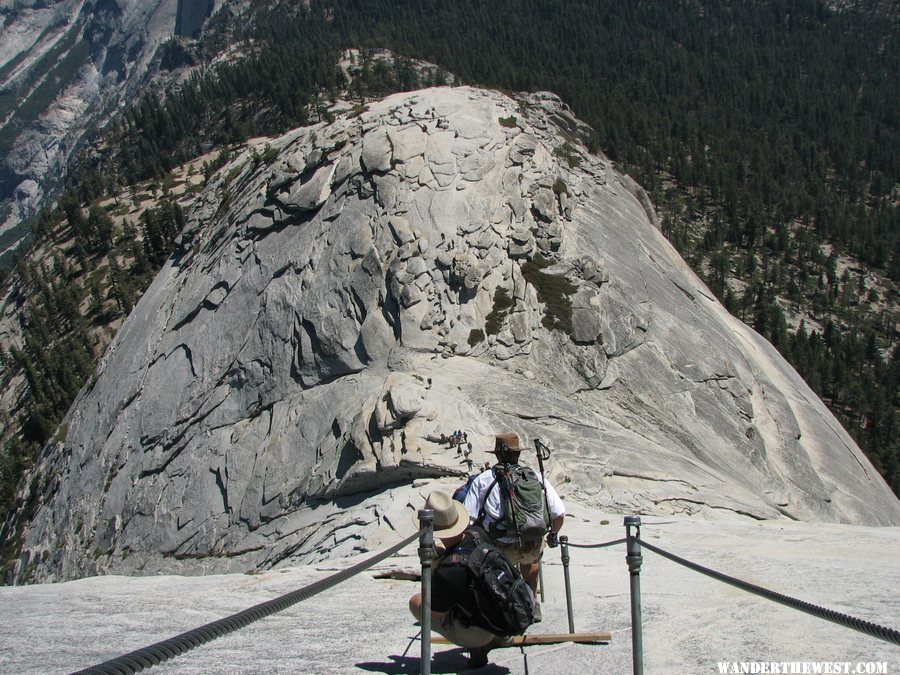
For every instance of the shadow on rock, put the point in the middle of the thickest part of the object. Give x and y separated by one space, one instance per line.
452 661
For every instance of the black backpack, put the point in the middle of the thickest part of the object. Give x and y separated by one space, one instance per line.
502 601
525 514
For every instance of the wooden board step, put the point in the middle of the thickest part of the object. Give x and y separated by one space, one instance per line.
542 639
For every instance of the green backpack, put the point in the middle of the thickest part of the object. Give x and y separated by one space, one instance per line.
525 514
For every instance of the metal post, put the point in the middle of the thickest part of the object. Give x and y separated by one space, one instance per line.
634 560
564 551
541 579
426 555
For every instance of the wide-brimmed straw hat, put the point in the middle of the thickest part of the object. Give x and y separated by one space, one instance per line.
450 516
504 443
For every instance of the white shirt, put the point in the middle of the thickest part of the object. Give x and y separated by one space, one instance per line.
493 507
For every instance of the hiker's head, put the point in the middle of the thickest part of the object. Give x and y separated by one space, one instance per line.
450 516
507 448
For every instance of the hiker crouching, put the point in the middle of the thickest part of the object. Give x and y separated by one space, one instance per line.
449 583
517 508
478 597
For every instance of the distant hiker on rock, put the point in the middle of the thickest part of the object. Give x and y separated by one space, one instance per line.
517 508
478 597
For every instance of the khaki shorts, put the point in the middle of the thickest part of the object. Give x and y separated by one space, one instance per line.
527 555
455 630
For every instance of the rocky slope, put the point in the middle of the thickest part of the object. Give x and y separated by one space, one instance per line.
333 308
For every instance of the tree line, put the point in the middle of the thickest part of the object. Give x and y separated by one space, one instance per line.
96 274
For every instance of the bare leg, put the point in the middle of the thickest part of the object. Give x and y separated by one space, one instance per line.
415 608
530 572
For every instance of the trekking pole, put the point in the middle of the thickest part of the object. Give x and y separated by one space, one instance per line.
564 552
543 452
634 560
426 555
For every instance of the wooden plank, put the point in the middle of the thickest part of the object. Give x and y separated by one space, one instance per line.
542 639
402 575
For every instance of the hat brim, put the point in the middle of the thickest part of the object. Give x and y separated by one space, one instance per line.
462 522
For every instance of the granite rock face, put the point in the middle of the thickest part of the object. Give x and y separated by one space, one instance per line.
329 315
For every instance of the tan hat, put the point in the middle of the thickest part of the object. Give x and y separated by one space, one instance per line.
506 443
450 516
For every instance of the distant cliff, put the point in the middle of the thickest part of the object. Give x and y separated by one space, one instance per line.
191 15
64 67
441 260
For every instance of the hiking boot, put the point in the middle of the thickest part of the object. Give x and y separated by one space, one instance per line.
538 616
478 657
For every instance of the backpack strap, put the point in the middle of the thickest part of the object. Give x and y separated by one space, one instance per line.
481 509
460 553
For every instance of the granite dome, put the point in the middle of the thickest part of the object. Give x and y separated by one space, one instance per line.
343 297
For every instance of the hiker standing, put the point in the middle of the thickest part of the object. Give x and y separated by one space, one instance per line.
510 486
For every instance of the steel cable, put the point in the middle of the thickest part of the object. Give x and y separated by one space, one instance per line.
603 545
867 627
156 653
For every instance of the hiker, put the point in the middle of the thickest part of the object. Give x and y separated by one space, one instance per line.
449 584
486 503
478 598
